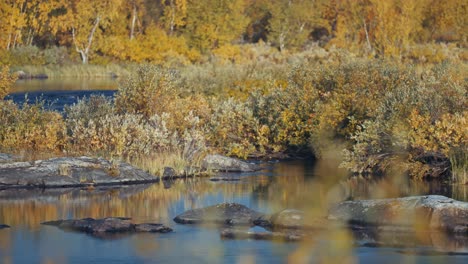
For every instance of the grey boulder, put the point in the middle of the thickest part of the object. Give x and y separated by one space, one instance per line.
227 164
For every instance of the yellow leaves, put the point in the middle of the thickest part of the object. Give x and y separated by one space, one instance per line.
6 81
30 128
449 132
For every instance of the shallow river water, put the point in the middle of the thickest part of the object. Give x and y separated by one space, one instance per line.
302 184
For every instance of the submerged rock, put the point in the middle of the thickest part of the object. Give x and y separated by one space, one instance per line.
216 179
70 172
223 214
233 233
107 225
291 219
227 164
432 212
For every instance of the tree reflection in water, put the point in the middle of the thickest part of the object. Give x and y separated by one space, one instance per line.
296 184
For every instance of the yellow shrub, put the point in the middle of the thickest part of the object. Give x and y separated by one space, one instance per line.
31 128
6 81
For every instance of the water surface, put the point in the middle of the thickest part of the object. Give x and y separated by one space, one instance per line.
295 184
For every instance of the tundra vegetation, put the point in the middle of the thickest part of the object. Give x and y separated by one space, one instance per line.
383 84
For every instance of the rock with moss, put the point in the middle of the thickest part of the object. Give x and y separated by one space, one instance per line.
70 172
227 164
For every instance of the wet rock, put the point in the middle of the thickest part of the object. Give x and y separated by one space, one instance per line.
169 173
107 225
2 226
215 179
291 219
70 172
222 214
152 228
432 212
227 164
378 236
288 218
233 233
24 75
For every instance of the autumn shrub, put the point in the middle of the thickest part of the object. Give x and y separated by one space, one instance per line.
342 95
420 124
6 81
56 56
147 91
28 127
233 128
94 126
284 115
27 55
230 79
31 128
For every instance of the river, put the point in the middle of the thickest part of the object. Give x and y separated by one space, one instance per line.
301 184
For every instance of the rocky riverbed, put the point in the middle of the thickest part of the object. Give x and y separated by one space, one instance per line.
429 214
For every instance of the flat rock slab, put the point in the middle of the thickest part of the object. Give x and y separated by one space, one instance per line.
70 172
432 212
227 164
222 214
107 225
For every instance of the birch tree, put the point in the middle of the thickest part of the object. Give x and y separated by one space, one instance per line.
88 19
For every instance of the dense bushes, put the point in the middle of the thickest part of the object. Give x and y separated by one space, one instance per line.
417 124
30 127
385 116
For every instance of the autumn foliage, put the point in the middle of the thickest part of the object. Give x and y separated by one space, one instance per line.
184 31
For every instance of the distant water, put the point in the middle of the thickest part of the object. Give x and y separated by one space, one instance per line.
56 94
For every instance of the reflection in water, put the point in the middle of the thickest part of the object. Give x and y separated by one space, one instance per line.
297 184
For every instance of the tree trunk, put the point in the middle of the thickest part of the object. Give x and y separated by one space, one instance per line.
84 56
172 17
84 51
369 46
134 18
